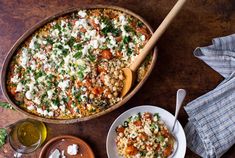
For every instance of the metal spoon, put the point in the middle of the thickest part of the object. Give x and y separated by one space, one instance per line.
130 72
181 93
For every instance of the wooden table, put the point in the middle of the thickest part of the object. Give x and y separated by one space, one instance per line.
196 25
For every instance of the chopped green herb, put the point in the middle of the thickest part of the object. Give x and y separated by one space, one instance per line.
126 123
129 29
126 39
39 74
156 115
78 46
37 45
69 26
139 24
129 52
109 27
56 102
57 26
6 105
116 32
160 138
80 75
66 100
78 55
103 47
65 52
50 41
71 41
60 46
91 57
3 136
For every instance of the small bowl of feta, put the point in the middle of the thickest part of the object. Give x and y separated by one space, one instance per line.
144 131
66 146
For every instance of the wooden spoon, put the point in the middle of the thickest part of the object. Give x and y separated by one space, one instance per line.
130 72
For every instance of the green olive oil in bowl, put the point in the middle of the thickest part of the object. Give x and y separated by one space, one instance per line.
27 135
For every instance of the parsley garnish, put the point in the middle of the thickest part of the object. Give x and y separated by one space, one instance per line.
3 136
129 52
78 55
80 75
71 41
6 105
126 39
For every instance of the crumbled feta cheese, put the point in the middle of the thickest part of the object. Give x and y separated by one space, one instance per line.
72 149
62 108
142 37
102 25
33 65
31 44
54 107
131 45
96 21
45 112
15 79
55 154
112 41
40 111
30 107
51 113
37 100
122 19
29 95
63 85
24 58
82 23
55 33
19 87
82 13
50 93
85 50
94 44
44 42
41 55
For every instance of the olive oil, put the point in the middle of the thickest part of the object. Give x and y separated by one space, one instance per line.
30 133
27 135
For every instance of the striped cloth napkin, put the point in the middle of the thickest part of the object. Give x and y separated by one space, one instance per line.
210 130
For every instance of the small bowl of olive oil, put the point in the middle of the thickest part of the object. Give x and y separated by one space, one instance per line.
27 135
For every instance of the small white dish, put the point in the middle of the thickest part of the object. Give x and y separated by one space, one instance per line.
166 116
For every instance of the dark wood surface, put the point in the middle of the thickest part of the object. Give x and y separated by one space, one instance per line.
196 25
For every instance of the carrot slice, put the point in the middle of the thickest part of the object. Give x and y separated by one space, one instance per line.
106 54
131 150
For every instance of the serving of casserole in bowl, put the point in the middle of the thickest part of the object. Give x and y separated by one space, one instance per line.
67 68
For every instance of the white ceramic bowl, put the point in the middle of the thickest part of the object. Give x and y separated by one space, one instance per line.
166 116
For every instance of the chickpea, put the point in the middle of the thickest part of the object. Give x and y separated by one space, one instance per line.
115 94
112 70
121 77
114 88
91 96
93 80
112 81
142 146
116 73
117 84
110 96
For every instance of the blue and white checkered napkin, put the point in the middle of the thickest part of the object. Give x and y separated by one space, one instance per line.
210 131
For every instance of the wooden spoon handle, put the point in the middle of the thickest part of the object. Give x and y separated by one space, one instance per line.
157 34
